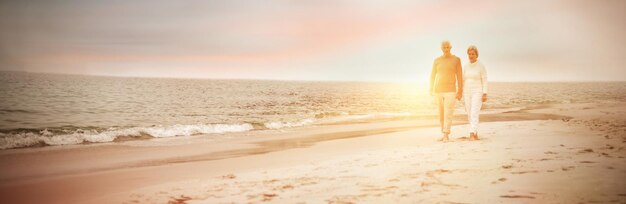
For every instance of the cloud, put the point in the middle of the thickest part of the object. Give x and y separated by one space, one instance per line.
246 38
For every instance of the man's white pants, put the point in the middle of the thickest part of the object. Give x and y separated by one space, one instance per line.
446 102
473 103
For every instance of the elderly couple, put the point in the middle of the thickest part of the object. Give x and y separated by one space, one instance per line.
448 82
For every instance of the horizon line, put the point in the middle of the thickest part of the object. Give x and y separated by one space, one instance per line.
301 80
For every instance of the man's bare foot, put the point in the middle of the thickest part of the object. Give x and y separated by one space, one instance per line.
444 138
473 136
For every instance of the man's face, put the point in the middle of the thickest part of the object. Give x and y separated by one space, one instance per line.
445 47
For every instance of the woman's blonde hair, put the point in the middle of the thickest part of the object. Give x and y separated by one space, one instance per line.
472 47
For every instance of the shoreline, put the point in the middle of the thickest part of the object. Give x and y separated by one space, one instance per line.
501 114
170 160
270 141
40 137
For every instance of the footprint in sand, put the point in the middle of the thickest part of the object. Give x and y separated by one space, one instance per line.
606 155
179 200
500 180
517 196
266 182
285 187
264 197
608 146
378 191
550 152
268 196
525 172
508 166
344 199
437 181
229 176
431 174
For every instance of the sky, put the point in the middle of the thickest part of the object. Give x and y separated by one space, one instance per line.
338 40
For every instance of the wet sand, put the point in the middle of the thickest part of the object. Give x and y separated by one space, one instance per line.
549 153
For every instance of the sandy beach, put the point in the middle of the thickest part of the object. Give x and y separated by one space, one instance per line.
565 153
189 102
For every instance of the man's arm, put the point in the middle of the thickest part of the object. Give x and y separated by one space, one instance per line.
459 79
433 73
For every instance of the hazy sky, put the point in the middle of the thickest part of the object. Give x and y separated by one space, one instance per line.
540 40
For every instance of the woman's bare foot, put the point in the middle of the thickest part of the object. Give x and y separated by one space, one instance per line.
473 136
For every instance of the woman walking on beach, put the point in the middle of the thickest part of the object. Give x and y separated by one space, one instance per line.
475 89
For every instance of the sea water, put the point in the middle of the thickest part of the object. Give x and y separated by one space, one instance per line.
53 109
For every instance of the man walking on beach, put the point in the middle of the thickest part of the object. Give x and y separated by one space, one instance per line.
446 84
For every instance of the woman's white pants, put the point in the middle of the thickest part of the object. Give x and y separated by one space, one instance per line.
473 102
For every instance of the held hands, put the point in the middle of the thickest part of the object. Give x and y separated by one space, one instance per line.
484 97
459 95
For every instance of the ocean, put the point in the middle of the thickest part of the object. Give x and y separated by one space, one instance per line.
38 109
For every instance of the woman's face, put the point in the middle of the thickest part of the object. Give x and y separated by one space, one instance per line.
472 55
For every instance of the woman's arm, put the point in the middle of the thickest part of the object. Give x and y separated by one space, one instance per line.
483 80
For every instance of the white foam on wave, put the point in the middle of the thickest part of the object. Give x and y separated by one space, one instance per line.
8 141
382 115
342 118
186 130
392 114
279 125
379 115
45 137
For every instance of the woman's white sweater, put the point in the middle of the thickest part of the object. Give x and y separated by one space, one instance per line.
474 78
